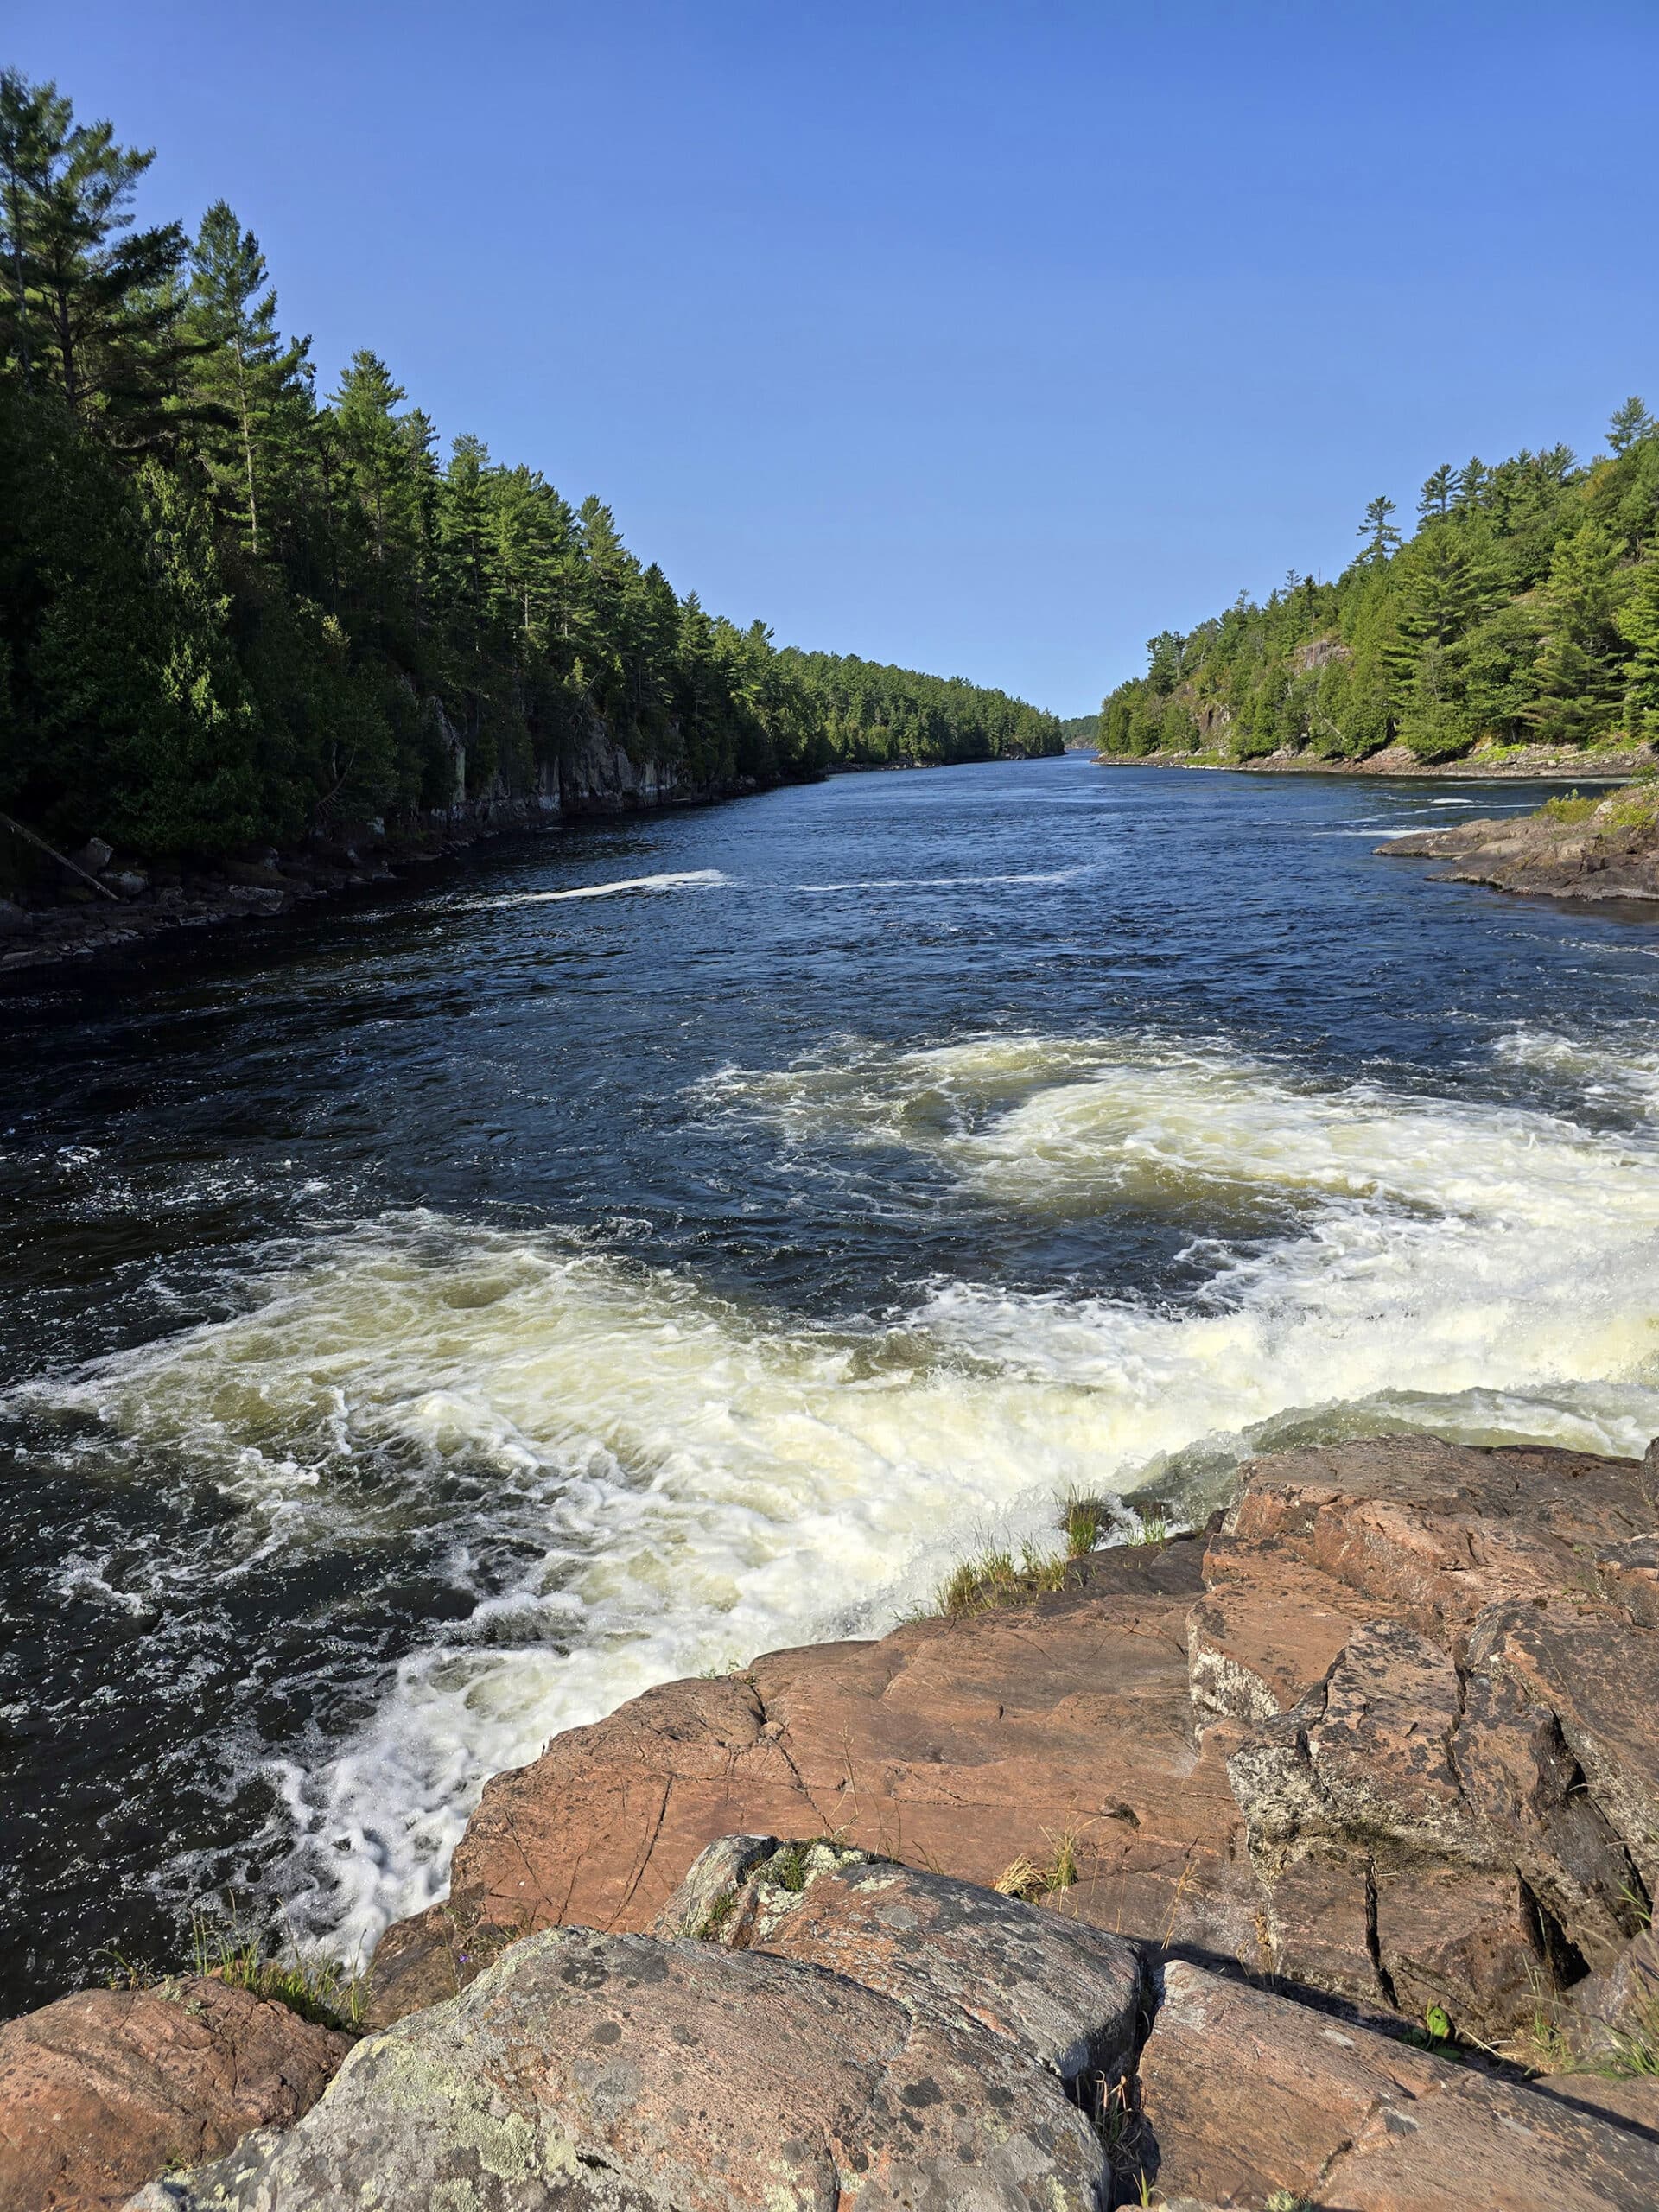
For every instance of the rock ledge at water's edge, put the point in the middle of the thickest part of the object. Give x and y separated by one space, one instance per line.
1609 851
1384 1742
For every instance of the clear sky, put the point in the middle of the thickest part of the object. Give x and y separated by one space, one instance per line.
988 338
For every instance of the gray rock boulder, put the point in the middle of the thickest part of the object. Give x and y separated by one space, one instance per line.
1066 1993
624 2073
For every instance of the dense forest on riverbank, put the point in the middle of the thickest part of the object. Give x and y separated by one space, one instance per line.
1523 607
233 610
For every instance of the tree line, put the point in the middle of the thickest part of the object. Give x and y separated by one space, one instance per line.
1523 607
232 609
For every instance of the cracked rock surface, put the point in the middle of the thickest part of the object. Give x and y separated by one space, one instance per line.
1390 1734
1612 853
103 2088
621 2071
1248 2095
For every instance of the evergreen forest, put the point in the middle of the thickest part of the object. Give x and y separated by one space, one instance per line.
236 608
1523 609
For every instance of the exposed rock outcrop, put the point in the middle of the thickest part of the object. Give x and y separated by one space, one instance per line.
621 2071
104 2089
811 2027
964 1746
113 903
1610 851
1245 2098
1390 1734
1068 1994
1382 1748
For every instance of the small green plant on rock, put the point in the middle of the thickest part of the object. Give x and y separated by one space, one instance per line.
1635 2049
992 1579
717 1916
317 1989
1084 1522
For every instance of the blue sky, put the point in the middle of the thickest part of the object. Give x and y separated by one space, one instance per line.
988 339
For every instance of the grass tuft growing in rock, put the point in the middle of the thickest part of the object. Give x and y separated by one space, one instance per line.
994 1578
1085 1522
317 1989
1635 2049
1031 1879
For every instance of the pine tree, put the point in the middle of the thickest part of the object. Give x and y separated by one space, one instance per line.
1580 665
1164 662
1631 424
94 311
384 489
1435 499
1473 479
253 382
1637 623
34 119
1379 533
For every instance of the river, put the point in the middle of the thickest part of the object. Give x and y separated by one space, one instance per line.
430 1322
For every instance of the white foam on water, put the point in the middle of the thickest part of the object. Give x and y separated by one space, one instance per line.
1625 1074
689 879
683 1480
942 882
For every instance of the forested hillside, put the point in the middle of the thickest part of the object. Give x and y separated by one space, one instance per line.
233 607
1523 607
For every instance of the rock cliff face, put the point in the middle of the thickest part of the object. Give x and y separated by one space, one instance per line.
1607 851
117 903
1142 1883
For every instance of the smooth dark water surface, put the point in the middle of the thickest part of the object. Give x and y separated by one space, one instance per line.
430 1322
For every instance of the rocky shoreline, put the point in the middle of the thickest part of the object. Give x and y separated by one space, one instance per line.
1306 1861
117 902
1530 764
1577 848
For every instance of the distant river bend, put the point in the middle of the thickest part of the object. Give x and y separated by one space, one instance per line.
432 1322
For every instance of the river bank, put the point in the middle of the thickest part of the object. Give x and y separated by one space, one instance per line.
1179 1861
111 901
1497 764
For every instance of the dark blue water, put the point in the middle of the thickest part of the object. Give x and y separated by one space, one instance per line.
429 1322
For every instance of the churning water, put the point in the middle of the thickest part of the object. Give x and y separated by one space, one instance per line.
432 1324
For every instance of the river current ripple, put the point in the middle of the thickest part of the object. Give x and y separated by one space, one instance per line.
429 1324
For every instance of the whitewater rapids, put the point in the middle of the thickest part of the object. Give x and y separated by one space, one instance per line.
681 1480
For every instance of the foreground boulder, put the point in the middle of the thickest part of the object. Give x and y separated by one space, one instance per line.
1390 1733
1069 1995
621 2072
945 2065
103 2089
1245 2098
